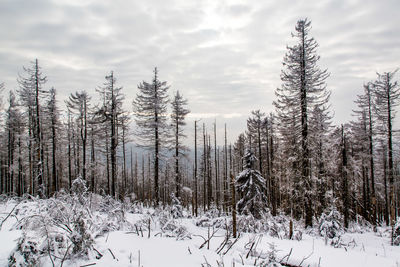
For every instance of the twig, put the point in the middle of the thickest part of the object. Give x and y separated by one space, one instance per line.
112 254
252 245
208 240
306 258
137 231
206 261
65 255
9 214
240 255
223 244
48 242
149 228
99 255
288 255
233 243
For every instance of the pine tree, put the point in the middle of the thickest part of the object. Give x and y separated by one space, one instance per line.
179 112
251 187
303 88
150 111
320 123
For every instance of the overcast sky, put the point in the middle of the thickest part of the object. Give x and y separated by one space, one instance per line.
224 56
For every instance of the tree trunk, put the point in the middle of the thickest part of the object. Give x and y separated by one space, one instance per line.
346 202
195 170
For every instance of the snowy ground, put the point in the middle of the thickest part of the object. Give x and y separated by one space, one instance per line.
132 246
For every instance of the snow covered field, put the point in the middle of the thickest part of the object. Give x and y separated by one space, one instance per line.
97 231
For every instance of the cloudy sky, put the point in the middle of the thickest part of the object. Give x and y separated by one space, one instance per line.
224 56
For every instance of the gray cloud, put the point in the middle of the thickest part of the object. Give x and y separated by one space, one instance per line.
224 56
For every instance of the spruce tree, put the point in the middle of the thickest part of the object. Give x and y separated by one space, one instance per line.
179 112
150 111
303 87
251 188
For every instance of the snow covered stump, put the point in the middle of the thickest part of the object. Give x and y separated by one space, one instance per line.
251 188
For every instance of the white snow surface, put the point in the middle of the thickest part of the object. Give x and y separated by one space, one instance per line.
128 247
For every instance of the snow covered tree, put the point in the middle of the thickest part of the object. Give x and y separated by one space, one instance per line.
179 112
320 123
150 111
251 188
387 98
303 88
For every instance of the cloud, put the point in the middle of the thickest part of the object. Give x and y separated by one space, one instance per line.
224 56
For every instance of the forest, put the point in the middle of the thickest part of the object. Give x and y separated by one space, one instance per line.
291 161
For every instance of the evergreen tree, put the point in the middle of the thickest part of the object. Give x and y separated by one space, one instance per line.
251 187
179 112
303 88
150 111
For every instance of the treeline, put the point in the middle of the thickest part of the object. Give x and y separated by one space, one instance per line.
309 164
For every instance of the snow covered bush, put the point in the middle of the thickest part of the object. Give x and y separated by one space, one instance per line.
211 218
329 224
250 224
360 225
176 207
251 188
65 226
79 188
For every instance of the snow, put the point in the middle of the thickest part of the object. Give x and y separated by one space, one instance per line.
127 247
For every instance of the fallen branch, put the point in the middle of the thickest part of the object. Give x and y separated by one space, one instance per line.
112 254
207 241
8 215
305 258
288 255
233 243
